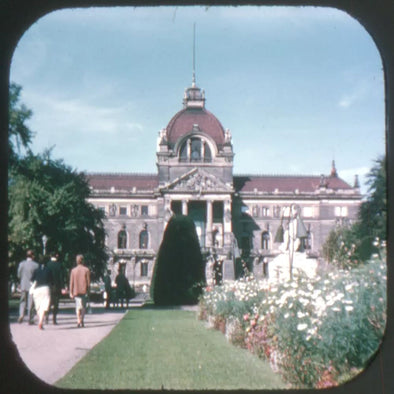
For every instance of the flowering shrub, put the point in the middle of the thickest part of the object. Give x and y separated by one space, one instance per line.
315 332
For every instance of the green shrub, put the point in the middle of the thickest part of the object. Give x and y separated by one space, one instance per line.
179 272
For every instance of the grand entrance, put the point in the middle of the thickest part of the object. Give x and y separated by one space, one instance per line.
197 211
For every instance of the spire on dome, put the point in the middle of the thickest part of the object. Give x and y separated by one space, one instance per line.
194 97
194 56
334 173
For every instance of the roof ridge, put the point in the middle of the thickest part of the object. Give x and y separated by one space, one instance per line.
123 173
280 175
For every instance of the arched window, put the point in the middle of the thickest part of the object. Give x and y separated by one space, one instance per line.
144 239
265 239
196 150
122 239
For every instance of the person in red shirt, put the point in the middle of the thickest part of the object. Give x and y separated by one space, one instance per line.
79 288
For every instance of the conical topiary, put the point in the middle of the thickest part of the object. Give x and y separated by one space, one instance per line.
179 272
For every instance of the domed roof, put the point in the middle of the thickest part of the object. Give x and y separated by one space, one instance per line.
187 119
194 114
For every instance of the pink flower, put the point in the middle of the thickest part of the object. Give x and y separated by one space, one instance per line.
253 323
246 316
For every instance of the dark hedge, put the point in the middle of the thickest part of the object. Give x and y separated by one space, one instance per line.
179 272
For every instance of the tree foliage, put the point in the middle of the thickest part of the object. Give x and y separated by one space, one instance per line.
373 212
347 246
20 136
179 271
46 197
342 247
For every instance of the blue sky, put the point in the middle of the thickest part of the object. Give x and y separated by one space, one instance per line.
297 87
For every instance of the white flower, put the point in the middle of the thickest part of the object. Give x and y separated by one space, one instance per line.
302 326
349 308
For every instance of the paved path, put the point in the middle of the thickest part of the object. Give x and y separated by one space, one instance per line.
52 352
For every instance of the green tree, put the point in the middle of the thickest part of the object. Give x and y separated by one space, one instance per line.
342 247
19 135
179 271
47 197
373 212
348 246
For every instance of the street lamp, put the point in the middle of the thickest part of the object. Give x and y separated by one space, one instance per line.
44 243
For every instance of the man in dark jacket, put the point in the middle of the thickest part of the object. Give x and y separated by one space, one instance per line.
55 267
123 289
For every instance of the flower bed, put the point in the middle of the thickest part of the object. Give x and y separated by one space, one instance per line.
315 332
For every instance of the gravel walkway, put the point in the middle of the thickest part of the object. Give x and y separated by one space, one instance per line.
52 352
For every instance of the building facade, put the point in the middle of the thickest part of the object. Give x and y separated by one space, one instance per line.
236 216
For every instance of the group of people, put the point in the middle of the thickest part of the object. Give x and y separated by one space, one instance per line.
41 286
119 296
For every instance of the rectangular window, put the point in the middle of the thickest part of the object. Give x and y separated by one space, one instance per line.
144 269
144 210
122 211
134 210
176 207
217 208
276 211
341 212
307 212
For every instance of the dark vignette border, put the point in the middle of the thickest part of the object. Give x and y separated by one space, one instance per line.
16 16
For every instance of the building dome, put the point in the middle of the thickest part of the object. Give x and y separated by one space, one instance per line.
194 116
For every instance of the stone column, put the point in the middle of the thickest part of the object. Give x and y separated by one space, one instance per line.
184 207
167 212
227 226
189 149
209 224
202 149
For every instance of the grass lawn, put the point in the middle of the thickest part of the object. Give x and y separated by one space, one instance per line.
171 349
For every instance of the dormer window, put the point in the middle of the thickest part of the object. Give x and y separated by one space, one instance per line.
195 149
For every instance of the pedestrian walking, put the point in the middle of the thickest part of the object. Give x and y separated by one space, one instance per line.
26 269
55 266
79 288
123 289
42 280
107 289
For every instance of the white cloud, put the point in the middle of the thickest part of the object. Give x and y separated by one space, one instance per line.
348 100
362 90
78 115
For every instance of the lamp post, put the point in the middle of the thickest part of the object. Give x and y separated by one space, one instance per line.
44 244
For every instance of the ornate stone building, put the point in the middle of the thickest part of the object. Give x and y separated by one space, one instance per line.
235 215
